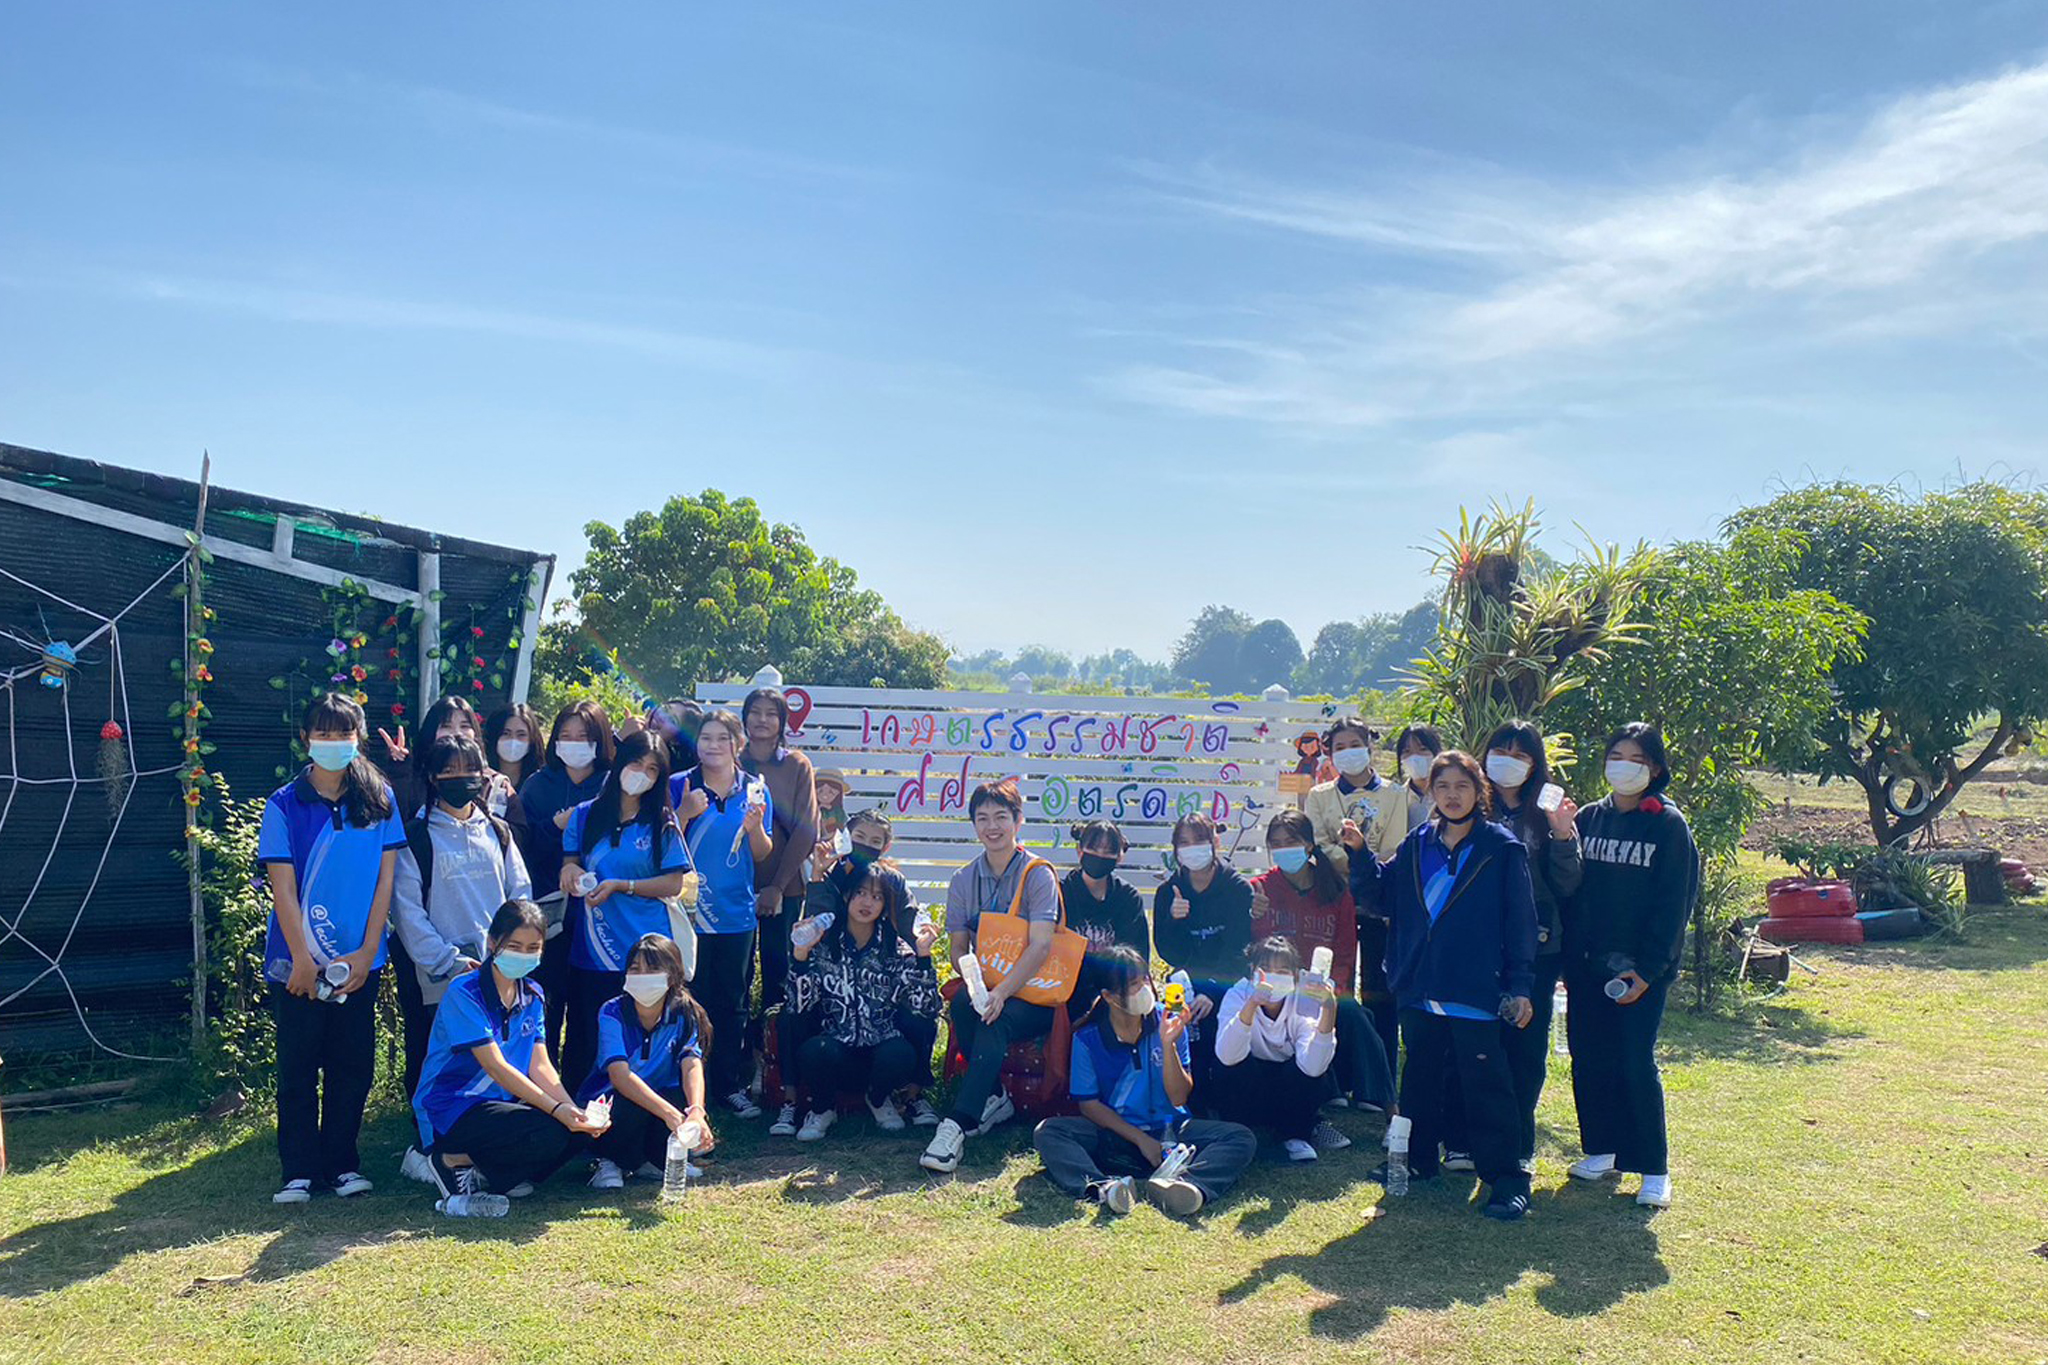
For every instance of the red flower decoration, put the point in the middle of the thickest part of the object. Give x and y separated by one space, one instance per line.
398 708
359 673
203 673
391 623
477 631
478 660
395 675
390 653
111 730
478 684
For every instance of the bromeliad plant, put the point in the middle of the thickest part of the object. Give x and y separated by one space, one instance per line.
1518 629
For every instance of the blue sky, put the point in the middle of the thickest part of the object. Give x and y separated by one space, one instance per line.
1056 321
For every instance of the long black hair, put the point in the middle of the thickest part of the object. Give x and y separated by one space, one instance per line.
1652 741
537 748
655 810
512 916
658 953
1328 885
882 875
430 727
364 795
1522 737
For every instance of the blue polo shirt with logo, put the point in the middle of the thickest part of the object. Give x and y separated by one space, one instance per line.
336 864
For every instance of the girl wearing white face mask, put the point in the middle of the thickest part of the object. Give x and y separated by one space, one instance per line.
515 742
1415 749
1517 770
1275 1046
577 757
626 840
490 1103
1624 938
650 1055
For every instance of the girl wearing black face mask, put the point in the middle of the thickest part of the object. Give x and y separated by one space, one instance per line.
1102 905
460 865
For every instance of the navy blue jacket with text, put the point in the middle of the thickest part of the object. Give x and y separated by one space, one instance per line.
1482 947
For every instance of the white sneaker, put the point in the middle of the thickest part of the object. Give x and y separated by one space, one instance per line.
415 1166
922 1115
1459 1163
1299 1150
817 1123
349 1184
785 1122
1327 1138
520 1191
294 1192
742 1105
606 1175
947 1144
887 1117
1593 1168
1118 1196
999 1109
1181 1198
1656 1192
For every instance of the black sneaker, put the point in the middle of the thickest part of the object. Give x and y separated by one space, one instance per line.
1506 1208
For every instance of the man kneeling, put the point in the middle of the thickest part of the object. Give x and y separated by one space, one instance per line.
1130 1077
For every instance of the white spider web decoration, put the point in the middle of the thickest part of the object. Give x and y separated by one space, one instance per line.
11 681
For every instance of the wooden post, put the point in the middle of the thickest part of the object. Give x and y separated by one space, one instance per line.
195 624
430 633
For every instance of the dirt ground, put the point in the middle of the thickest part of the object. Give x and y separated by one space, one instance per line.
2001 811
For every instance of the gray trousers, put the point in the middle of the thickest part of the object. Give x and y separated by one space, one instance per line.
1075 1151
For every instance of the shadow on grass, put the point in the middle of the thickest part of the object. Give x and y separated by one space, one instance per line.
1777 1032
1432 1251
226 1193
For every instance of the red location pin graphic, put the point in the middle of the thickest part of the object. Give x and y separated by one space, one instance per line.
799 709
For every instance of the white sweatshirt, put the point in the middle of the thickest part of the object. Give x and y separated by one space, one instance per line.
1291 1037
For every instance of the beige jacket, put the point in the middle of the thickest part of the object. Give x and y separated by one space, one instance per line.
1381 811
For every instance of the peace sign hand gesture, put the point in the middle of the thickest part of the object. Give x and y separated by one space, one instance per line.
397 748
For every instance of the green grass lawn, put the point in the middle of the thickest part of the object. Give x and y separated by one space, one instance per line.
1861 1170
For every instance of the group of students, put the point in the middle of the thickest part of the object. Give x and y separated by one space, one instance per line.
603 895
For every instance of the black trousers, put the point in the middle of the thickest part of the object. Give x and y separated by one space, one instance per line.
326 1060
415 1015
553 976
986 1045
923 1034
1438 1047
1361 1068
1276 1096
725 977
1615 1081
1372 989
1528 1052
509 1143
774 935
1202 1047
588 992
830 1067
1077 1153
636 1135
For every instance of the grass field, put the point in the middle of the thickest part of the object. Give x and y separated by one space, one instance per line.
1861 1170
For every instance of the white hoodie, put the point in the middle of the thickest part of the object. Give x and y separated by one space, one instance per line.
1291 1037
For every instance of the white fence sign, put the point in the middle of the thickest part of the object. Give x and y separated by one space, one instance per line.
1143 762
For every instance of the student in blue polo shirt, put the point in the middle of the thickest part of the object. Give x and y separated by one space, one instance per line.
1130 1078
329 846
626 837
650 1055
1461 947
725 814
489 1103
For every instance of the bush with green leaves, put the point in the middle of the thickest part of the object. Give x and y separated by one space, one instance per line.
240 1050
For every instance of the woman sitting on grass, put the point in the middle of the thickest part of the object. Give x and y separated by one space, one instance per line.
490 1107
650 1053
1275 1045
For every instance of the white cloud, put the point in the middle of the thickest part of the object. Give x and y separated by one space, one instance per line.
1901 219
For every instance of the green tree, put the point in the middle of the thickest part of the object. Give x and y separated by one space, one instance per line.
1732 665
1211 653
1336 660
1517 631
708 588
1042 661
1954 586
1270 654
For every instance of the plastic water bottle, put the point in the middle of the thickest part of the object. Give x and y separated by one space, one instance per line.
970 976
675 1172
808 932
1397 1155
1558 1001
474 1206
332 978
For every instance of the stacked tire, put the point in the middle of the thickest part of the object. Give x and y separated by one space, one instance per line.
1808 910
